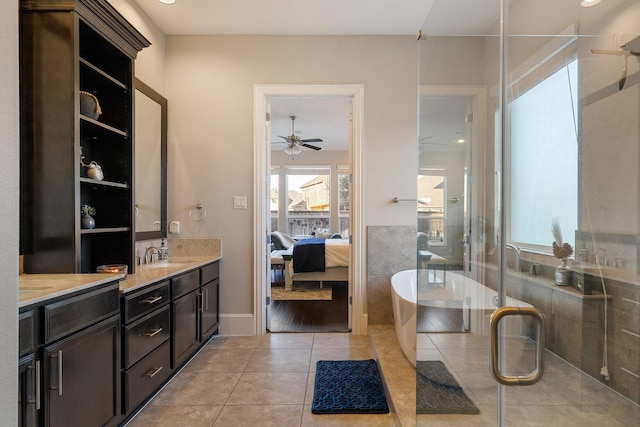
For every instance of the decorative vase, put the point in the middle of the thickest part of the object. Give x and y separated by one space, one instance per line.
87 221
563 274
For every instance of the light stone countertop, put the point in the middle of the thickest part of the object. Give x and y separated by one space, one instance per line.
151 273
35 288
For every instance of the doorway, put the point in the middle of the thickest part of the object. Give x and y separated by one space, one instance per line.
263 97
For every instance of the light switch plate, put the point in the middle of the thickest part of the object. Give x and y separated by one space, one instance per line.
239 202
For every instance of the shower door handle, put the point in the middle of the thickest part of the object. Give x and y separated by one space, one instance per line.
537 373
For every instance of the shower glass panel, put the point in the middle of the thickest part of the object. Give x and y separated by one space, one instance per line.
533 123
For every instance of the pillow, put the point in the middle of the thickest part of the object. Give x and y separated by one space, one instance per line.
286 240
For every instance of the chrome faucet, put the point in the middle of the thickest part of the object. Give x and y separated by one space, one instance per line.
515 249
148 256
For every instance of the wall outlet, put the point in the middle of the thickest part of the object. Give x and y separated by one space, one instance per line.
174 227
156 225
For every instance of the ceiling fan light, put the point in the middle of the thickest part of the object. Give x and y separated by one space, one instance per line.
292 150
167 1
589 3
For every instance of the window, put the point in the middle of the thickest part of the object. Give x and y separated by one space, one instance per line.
309 201
344 200
274 196
543 160
432 184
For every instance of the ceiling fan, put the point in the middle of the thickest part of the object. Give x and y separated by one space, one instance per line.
294 142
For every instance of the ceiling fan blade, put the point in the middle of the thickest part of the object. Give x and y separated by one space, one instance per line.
313 147
311 140
286 138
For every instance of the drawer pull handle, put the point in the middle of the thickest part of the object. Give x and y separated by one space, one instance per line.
151 300
153 332
59 357
153 372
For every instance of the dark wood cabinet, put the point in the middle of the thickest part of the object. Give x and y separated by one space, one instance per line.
195 313
28 392
146 356
69 47
28 370
210 308
186 331
82 377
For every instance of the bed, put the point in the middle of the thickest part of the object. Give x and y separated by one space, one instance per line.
317 259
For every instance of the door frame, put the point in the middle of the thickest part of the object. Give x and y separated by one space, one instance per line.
261 167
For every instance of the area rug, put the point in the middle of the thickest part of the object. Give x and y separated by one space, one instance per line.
437 391
348 387
303 291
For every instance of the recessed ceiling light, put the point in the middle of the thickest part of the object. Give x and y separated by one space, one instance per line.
167 1
589 3
460 141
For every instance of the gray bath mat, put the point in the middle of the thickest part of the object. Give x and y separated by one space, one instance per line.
438 392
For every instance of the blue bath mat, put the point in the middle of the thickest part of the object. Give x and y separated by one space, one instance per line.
348 387
438 392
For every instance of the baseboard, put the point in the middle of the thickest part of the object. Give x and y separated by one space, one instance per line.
237 324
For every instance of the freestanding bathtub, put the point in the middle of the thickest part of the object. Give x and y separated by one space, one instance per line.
455 291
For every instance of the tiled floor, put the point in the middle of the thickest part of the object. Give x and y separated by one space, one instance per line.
256 381
268 381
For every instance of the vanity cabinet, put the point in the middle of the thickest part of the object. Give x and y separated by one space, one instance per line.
195 312
28 371
69 47
146 349
185 320
210 291
69 366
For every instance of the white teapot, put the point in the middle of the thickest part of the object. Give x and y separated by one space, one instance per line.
94 171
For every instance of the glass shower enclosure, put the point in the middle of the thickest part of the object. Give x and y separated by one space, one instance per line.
528 276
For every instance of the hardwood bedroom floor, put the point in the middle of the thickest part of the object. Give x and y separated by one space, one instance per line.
313 316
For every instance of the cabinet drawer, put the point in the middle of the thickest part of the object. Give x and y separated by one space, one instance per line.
145 334
72 314
27 337
210 272
185 283
146 376
145 301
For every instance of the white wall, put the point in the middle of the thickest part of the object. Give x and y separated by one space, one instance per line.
9 213
209 84
149 64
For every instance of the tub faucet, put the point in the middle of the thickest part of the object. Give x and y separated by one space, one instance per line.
148 255
516 251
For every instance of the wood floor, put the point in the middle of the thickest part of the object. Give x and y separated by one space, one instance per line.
313 316
438 319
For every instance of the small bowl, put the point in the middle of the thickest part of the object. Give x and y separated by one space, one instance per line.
112 268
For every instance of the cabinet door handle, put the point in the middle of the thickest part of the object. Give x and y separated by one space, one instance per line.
153 372
153 332
37 385
59 357
151 300
33 387
206 299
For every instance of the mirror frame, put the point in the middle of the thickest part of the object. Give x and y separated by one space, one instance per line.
155 96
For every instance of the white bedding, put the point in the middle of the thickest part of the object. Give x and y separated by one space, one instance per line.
336 253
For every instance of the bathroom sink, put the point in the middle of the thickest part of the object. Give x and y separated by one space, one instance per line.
169 264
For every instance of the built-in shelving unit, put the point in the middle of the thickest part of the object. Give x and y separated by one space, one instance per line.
68 47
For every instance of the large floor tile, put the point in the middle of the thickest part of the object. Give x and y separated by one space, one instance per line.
287 340
280 360
200 388
310 419
177 416
270 388
259 415
220 360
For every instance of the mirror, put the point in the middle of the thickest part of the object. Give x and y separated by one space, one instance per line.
150 136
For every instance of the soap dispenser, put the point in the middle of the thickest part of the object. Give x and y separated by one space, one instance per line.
164 250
